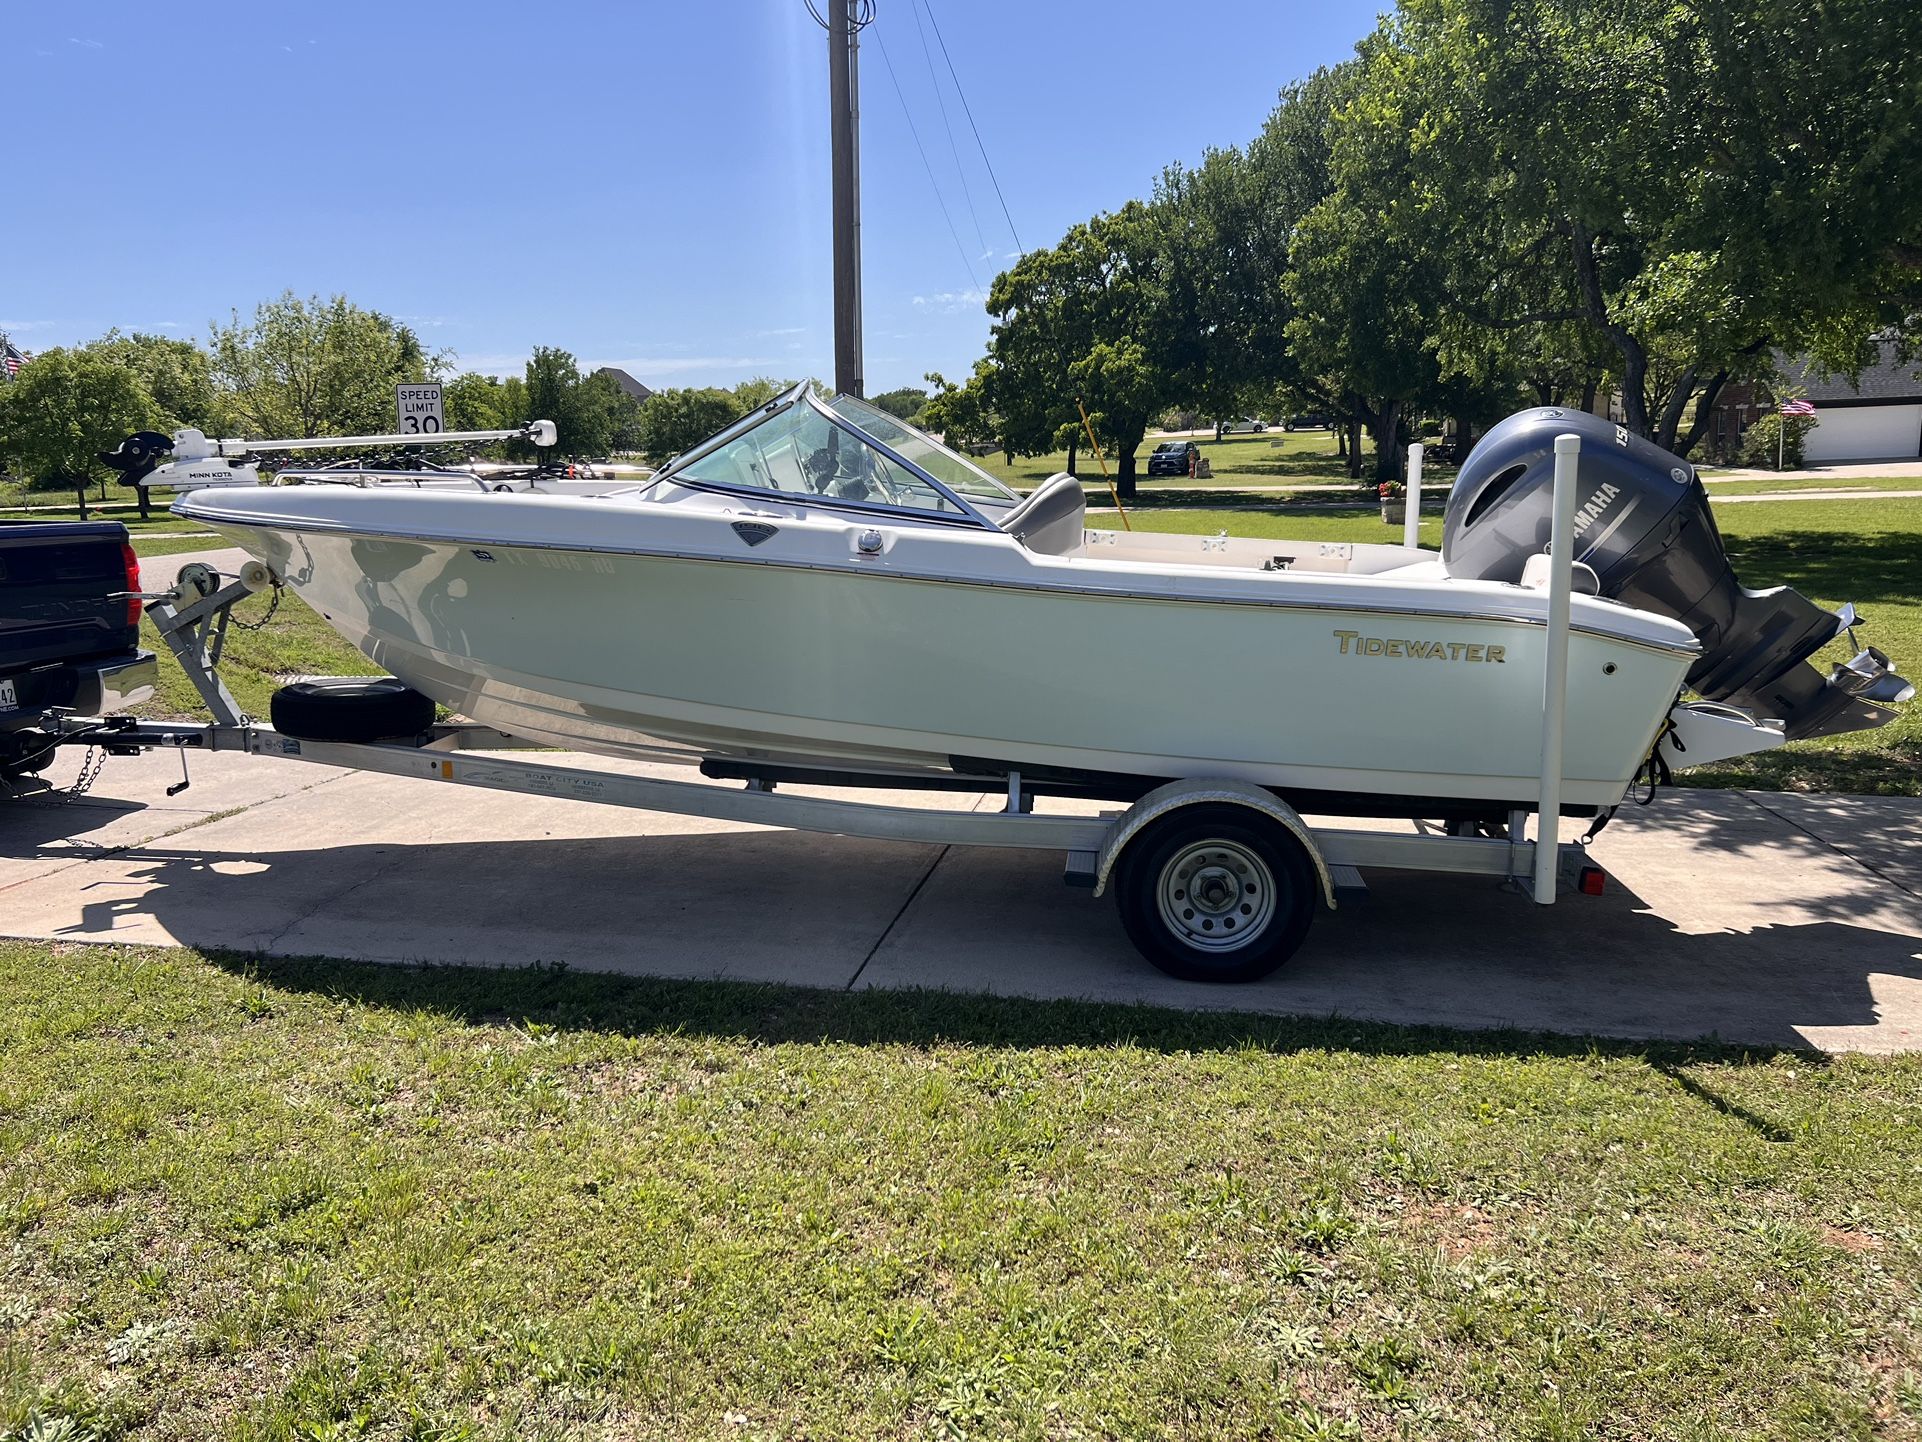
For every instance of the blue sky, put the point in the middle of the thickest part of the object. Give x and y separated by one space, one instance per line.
644 184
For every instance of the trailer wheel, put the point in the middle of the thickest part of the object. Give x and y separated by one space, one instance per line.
1216 893
350 708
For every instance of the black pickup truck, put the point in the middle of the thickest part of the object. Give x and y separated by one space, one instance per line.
69 636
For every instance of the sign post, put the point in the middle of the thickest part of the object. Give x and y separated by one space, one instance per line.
418 410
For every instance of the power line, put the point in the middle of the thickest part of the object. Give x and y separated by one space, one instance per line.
968 110
934 83
959 249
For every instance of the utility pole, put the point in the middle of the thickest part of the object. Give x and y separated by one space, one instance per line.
844 100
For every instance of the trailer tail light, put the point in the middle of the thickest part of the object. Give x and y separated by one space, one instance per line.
131 563
1591 881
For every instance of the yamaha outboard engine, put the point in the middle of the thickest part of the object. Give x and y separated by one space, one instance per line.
1642 523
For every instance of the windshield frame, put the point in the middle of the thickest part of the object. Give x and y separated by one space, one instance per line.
803 393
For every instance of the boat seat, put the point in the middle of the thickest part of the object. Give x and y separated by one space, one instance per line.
1050 520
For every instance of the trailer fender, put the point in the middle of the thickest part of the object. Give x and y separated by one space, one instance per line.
1164 800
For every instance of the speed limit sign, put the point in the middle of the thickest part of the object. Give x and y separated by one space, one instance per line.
418 407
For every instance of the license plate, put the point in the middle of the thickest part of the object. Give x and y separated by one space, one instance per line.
9 698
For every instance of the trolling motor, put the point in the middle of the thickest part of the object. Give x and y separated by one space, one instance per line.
136 457
1642 522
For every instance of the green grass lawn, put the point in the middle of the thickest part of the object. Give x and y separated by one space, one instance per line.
160 523
161 543
1795 482
1272 459
1867 551
267 1200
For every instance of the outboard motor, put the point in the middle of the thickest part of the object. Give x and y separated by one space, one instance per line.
1642 523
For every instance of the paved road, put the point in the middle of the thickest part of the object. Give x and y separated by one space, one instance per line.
1756 917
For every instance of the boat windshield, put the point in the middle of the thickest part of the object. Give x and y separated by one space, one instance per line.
801 452
955 471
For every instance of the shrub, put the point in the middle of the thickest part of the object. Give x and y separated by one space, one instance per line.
1759 441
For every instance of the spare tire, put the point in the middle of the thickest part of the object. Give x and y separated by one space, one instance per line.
350 708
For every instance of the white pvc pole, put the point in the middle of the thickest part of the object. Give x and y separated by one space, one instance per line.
1411 526
1561 574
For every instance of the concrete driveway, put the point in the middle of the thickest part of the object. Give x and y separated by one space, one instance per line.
1753 917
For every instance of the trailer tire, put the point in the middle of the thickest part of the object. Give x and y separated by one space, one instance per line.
1259 900
350 708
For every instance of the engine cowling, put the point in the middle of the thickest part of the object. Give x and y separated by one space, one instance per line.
1642 523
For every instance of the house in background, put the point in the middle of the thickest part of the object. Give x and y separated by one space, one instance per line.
1877 418
626 382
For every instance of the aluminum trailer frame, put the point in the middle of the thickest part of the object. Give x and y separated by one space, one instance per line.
468 755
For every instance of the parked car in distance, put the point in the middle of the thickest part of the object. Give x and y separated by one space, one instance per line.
1241 426
69 635
1309 421
1174 458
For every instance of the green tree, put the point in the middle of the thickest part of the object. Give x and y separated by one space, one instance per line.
675 420
1364 279
592 415
1089 318
959 414
475 402
303 368
1042 327
752 394
64 409
1693 185
177 374
906 403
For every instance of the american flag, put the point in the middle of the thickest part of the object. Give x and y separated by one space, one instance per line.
15 359
1798 408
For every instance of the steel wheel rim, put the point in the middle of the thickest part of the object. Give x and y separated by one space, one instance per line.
1216 895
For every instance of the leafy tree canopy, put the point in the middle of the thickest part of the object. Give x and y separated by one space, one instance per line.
592 415
65 408
677 419
314 367
907 402
1691 186
176 373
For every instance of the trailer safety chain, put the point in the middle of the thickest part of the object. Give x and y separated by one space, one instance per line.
260 625
91 765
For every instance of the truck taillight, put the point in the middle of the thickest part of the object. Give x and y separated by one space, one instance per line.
131 563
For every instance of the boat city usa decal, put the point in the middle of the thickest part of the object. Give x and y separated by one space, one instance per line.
1353 643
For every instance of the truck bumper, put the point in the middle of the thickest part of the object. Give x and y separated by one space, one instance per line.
109 686
84 688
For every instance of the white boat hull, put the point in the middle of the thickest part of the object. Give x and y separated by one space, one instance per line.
618 651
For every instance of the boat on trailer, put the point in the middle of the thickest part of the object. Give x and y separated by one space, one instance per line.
821 584
823 593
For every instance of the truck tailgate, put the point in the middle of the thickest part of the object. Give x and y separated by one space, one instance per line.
55 580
